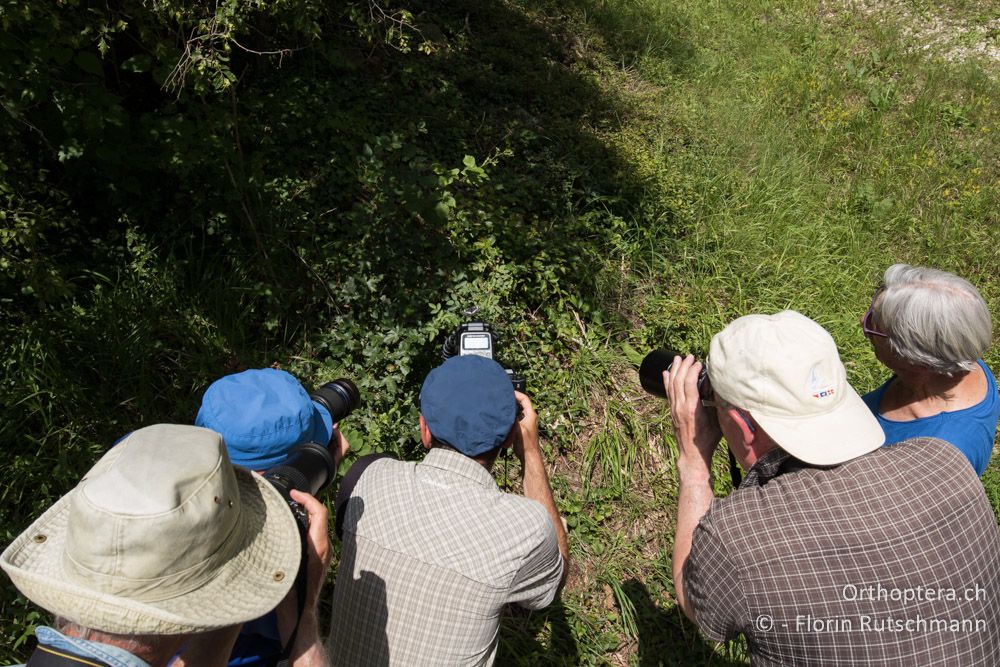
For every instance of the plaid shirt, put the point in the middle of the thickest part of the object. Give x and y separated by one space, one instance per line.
431 554
890 558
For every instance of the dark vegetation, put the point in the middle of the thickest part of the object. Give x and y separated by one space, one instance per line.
188 193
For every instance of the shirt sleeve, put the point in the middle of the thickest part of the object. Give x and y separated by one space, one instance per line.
535 584
711 586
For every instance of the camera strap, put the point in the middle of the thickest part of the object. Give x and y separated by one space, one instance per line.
46 656
506 485
301 580
734 470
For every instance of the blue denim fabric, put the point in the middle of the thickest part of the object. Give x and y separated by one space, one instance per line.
115 657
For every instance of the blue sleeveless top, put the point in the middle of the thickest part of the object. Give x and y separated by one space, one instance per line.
970 429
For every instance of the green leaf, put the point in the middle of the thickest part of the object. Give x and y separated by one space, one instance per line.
138 64
89 63
442 210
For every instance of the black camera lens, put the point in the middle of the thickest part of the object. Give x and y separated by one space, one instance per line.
309 468
339 397
659 360
519 382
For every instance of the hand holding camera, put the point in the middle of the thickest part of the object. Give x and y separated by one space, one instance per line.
318 549
526 428
696 426
689 391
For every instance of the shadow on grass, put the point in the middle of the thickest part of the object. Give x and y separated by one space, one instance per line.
667 637
520 630
991 483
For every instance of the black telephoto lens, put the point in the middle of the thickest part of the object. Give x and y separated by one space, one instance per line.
309 468
339 397
659 360
651 371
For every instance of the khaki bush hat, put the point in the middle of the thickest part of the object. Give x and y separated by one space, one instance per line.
163 536
785 370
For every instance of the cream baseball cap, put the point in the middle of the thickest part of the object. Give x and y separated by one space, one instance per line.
163 536
785 370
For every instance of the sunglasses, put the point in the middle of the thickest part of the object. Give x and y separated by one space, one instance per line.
866 321
714 403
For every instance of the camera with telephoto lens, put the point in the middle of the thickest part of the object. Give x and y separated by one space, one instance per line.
661 359
310 466
651 378
479 339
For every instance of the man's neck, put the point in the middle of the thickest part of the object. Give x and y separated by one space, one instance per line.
486 460
157 650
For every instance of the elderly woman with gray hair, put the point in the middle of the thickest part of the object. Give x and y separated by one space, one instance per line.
931 328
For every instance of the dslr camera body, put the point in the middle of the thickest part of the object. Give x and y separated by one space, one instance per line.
479 339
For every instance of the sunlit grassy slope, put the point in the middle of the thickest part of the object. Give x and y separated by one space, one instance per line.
812 146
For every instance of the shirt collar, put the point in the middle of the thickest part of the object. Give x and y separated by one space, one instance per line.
112 655
766 468
459 464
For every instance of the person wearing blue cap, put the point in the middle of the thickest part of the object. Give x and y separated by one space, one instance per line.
433 551
262 414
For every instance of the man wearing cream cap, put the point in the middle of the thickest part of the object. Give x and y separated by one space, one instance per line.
834 550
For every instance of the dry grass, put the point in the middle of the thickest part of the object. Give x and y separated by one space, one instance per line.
953 34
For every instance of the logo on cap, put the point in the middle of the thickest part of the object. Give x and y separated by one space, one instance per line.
818 387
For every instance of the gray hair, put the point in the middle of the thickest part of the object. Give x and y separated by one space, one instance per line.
154 644
934 318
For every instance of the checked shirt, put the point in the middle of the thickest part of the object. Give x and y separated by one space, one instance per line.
892 558
432 551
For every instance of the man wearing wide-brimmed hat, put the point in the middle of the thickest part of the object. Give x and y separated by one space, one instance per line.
834 550
164 545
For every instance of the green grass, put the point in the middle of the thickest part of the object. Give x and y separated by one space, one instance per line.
814 151
655 168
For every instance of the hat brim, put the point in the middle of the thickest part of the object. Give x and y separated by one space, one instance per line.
249 585
322 425
844 433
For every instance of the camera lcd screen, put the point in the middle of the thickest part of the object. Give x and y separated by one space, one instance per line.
476 342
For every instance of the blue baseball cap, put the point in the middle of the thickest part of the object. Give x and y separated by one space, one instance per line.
468 403
261 414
